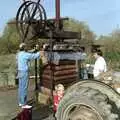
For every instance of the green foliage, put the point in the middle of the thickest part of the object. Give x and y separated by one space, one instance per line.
111 48
7 70
10 40
75 25
87 35
82 27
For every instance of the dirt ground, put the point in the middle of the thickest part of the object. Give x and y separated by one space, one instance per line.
42 113
9 106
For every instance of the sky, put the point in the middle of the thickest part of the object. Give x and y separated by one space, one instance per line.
102 16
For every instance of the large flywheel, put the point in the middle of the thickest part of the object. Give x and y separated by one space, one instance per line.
30 20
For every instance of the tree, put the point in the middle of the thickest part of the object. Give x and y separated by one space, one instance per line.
9 40
87 36
111 48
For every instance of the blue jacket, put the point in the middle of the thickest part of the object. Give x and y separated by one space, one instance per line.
24 57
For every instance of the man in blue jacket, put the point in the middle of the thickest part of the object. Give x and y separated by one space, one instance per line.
23 58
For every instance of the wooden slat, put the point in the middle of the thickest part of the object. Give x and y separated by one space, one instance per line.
59 81
62 72
60 77
61 67
67 62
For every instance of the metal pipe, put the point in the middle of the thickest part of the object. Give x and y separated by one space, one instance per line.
36 85
51 62
57 6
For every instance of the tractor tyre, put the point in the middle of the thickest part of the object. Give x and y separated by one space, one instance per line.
86 103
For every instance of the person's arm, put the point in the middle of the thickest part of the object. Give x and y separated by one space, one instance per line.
96 69
43 57
32 56
100 66
35 49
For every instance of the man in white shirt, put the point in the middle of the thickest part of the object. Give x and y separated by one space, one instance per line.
100 65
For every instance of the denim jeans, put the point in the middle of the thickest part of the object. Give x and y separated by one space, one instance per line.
83 73
23 86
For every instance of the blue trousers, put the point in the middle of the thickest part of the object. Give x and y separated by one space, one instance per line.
23 87
83 74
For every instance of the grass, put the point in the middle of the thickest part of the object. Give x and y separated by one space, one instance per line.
7 70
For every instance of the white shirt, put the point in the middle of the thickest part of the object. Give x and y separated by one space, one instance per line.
99 67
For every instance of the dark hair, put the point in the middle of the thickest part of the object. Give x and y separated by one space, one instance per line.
22 49
99 52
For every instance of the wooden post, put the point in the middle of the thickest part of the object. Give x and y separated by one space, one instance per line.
36 86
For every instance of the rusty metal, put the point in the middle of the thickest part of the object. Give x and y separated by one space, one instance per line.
31 27
30 16
57 14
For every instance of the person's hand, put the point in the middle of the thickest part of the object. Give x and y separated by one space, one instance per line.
42 53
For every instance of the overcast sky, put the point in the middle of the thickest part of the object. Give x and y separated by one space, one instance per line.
102 16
